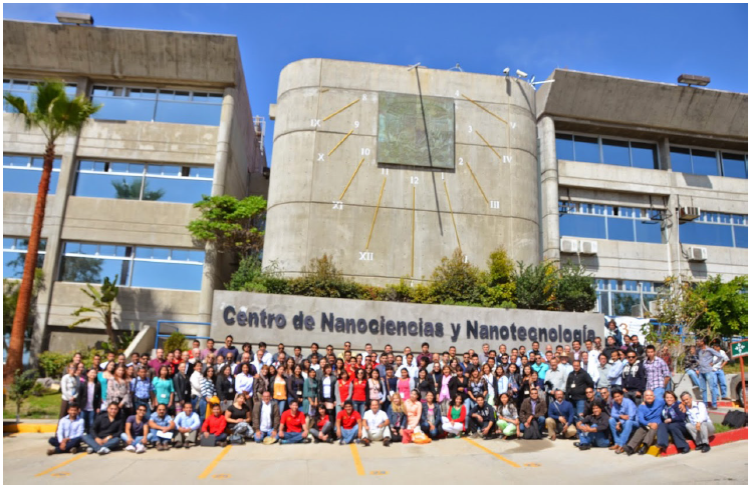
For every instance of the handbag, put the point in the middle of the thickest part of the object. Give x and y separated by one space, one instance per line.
420 438
533 432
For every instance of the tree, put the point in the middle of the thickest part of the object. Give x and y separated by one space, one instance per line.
10 300
55 115
22 386
103 300
456 281
132 191
232 225
536 286
81 270
576 289
727 306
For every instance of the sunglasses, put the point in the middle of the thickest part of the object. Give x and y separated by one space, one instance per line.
632 356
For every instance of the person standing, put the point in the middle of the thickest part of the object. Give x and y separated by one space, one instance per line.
228 348
576 388
310 394
208 390
658 373
717 367
118 390
634 378
164 389
69 432
90 398
69 386
707 377
136 431
375 425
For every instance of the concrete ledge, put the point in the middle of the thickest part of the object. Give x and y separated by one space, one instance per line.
36 427
716 440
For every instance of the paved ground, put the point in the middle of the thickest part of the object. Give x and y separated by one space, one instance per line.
462 461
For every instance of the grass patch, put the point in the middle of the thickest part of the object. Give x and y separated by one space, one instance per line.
721 428
46 406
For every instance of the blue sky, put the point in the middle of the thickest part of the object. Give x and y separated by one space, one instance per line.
649 42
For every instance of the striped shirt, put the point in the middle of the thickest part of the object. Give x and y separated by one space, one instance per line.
208 389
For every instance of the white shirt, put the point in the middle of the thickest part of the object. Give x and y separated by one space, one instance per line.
718 361
327 387
374 419
411 369
697 413
265 416
266 359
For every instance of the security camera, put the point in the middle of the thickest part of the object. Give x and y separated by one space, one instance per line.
505 71
521 74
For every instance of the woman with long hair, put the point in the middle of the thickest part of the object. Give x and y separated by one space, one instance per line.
321 427
424 384
453 421
478 387
444 391
295 384
514 382
397 417
327 391
118 390
289 367
360 398
310 393
278 388
405 384
103 378
413 410
377 388
261 383
225 386
525 387
432 418
487 376
90 398
164 389
338 366
244 383
344 390
208 390
508 416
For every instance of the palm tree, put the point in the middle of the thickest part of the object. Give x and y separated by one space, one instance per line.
55 114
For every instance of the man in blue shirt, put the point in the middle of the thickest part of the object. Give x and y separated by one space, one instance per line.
187 425
560 420
648 419
622 420
228 348
69 432
540 367
706 373
161 428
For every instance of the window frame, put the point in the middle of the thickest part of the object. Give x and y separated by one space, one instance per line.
42 252
621 289
730 223
608 214
718 157
601 150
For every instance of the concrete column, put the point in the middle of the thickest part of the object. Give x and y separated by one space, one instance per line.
54 227
549 190
664 162
210 266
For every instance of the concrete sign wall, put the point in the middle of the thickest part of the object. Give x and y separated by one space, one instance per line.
295 320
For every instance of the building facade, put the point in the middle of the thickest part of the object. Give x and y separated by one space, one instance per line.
175 124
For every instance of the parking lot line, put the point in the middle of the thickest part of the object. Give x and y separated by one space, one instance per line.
356 457
214 462
513 464
79 456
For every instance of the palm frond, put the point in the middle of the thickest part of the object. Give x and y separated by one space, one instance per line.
19 104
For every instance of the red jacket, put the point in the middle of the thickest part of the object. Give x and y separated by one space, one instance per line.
462 415
215 425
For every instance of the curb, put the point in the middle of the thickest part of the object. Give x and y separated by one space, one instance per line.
29 428
716 440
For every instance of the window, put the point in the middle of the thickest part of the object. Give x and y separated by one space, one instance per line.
14 255
593 149
152 104
708 162
596 221
139 181
621 297
716 229
21 173
25 89
147 267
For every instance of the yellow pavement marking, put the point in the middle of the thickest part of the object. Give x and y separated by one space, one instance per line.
77 457
343 139
356 457
351 178
214 462
341 110
375 215
513 464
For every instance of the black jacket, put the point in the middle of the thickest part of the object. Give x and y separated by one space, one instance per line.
103 428
225 388
634 377
425 386
486 411
83 396
576 385
182 387
454 385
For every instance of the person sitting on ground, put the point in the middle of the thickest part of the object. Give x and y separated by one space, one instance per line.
397 416
673 424
508 416
375 425
348 424
215 424
161 428
104 435
605 399
413 409
622 420
238 418
698 424
593 429
293 427
453 421
560 420
482 419
321 427
648 418
590 401
187 423
136 431
430 423
266 419
532 411
69 432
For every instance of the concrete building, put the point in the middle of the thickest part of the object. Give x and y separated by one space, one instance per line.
176 123
635 180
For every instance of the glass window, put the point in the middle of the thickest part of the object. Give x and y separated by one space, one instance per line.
622 223
564 147
160 275
734 165
173 190
26 89
621 229
629 293
624 302
188 113
22 173
586 149
644 155
704 162
707 234
582 226
648 231
615 152
14 255
741 236
680 160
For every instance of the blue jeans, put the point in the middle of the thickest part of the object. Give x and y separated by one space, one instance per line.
112 443
202 403
153 438
72 443
694 378
676 430
282 406
136 439
142 402
659 393
723 385
348 436
291 437
540 424
597 439
434 433
264 434
468 405
712 379
621 437
359 406
88 419
579 408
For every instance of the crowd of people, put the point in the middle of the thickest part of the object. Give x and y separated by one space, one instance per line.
617 395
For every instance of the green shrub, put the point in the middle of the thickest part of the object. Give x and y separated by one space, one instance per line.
322 279
456 281
53 363
500 268
576 290
536 286
176 340
400 292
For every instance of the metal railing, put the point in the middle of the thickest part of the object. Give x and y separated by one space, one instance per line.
190 337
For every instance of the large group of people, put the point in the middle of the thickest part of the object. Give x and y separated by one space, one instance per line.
617 395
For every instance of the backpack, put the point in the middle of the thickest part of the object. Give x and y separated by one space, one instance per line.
736 419
236 439
533 432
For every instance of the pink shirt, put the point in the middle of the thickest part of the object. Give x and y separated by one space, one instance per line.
403 387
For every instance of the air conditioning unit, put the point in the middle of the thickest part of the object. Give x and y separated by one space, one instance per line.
697 253
588 247
637 311
569 245
655 308
689 213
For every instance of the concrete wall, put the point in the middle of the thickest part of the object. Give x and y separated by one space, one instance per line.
509 326
302 221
